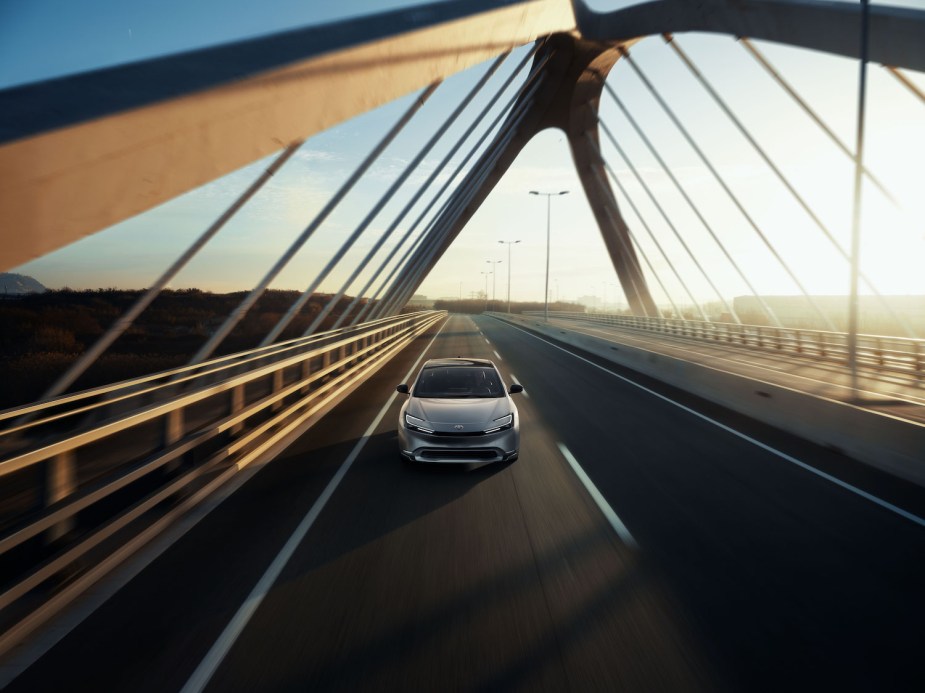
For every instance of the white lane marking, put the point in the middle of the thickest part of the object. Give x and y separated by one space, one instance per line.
498 355
782 455
524 393
207 667
602 503
487 342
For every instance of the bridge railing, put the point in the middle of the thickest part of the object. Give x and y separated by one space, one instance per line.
896 358
82 472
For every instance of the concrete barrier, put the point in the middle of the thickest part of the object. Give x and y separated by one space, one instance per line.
894 445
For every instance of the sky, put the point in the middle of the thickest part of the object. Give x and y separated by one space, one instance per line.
133 253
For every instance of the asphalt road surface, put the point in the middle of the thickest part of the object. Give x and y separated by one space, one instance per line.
686 549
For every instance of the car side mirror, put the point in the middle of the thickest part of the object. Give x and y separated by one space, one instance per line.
402 389
515 388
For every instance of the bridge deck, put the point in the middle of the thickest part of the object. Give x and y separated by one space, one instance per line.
750 573
893 396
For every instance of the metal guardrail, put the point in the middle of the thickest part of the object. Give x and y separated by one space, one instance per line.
897 357
87 478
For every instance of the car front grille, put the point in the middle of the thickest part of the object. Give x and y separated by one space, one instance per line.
444 454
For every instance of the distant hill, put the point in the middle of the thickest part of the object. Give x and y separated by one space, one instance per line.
19 284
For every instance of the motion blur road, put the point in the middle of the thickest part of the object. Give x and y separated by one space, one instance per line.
708 561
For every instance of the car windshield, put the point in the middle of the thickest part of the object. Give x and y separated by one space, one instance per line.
459 381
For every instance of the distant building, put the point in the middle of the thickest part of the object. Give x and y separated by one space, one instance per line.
873 316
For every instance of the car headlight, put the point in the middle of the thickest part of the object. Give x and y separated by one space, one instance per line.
416 424
501 424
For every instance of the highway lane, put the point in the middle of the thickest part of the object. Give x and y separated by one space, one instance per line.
750 573
791 581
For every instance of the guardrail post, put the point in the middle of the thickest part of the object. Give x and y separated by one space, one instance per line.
341 356
918 360
275 386
173 432
60 482
237 404
799 345
306 372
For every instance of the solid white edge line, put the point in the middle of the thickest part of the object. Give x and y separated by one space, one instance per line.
210 663
782 455
598 497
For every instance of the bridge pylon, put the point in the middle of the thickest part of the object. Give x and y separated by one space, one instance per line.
573 75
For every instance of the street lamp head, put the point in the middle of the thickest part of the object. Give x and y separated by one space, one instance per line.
564 192
534 192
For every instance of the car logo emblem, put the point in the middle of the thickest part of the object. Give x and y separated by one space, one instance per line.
458 427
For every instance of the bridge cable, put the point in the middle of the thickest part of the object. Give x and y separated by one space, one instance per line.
629 199
371 302
407 268
427 245
765 63
906 82
856 204
421 262
674 119
361 170
669 39
443 163
415 269
238 313
436 137
658 206
900 321
128 318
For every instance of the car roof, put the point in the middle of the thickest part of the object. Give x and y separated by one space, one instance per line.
434 363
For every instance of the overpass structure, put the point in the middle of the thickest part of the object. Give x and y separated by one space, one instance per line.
245 516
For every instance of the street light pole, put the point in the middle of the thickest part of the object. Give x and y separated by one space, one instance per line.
486 289
494 279
508 244
548 216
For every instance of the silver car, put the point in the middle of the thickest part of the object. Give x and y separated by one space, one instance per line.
459 411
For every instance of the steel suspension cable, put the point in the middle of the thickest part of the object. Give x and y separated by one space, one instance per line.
653 150
128 318
452 152
437 136
906 82
658 206
690 140
790 188
526 90
372 301
441 226
429 248
444 220
801 102
665 216
209 347
332 262
642 220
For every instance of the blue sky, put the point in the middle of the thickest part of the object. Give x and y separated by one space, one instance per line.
50 37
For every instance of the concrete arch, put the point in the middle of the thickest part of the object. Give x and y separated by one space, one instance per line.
568 100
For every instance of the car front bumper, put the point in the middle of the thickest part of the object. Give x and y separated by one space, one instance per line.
492 447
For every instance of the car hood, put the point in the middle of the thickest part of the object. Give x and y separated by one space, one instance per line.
475 410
